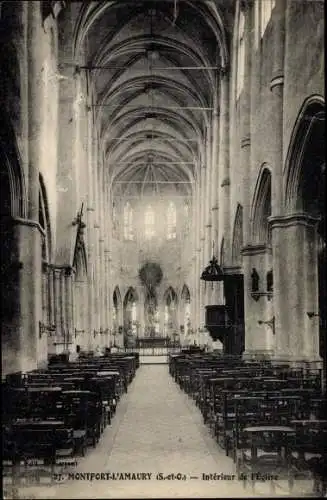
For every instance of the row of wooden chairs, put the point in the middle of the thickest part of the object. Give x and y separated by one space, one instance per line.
56 413
267 416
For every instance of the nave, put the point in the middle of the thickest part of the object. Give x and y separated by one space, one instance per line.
157 428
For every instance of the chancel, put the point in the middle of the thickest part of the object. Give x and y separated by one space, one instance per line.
163 256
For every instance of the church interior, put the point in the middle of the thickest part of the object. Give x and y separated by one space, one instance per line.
163 248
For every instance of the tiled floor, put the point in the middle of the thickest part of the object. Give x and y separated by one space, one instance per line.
157 429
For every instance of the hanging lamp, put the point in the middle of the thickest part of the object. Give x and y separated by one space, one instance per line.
213 271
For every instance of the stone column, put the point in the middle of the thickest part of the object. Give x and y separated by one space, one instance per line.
277 87
259 325
51 295
90 211
78 307
213 296
63 304
252 308
107 304
23 351
57 302
245 115
223 186
69 307
141 313
295 287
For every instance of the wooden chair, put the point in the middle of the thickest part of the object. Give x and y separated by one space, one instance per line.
310 453
266 453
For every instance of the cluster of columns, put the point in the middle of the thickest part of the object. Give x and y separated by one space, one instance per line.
276 325
211 209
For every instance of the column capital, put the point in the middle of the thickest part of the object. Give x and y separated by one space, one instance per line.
232 270
295 219
277 81
19 221
254 249
245 141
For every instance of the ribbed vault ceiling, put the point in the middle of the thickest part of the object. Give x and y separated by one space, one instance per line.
154 67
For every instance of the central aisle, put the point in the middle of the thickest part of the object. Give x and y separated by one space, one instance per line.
157 429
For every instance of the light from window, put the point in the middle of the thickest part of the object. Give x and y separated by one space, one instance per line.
149 223
187 316
171 221
240 55
187 222
166 316
134 311
266 8
128 222
114 216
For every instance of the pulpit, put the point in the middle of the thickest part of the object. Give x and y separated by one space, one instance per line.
218 324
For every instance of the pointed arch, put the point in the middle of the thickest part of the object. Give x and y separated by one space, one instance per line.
237 236
130 296
305 194
261 207
116 296
311 114
10 169
117 306
170 311
170 296
185 295
130 310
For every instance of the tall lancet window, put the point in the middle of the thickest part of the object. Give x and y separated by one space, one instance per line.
240 55
128 222
171 221
149 223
